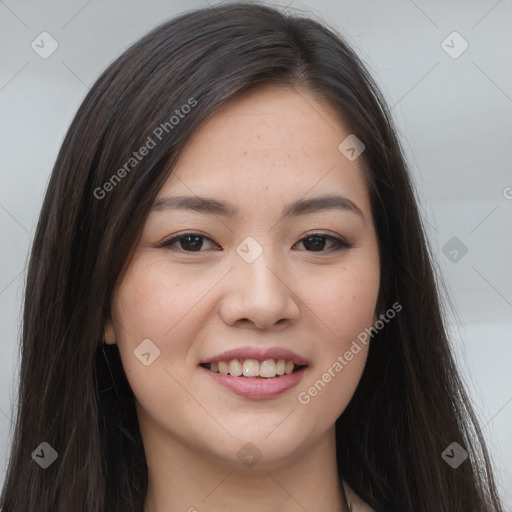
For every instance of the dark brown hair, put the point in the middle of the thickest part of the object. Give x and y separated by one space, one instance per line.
73 394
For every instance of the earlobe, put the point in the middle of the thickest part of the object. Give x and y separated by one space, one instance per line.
109 335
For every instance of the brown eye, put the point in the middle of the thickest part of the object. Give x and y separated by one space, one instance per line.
317 241
188 242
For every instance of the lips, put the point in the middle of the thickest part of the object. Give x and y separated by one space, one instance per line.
256 373
258 354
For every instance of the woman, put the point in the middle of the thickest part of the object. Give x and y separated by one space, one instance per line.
301 361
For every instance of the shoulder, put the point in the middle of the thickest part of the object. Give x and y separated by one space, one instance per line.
358 505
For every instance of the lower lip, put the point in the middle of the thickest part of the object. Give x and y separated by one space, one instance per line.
257 388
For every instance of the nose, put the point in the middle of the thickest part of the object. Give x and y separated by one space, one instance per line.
260 294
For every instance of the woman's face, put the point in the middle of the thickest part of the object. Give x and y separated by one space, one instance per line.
249 283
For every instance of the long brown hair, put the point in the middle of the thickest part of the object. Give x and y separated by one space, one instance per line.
410 404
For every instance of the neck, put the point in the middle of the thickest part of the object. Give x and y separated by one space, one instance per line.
186 478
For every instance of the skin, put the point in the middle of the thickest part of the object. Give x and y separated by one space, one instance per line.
260 151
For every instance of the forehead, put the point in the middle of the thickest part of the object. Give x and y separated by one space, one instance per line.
274 141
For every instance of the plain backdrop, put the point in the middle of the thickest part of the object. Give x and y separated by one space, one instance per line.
451 99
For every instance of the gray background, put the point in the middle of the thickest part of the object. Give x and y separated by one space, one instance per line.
454 117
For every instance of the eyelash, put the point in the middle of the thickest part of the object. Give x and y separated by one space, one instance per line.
339 243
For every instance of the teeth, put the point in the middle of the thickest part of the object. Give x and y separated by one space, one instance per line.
235 368
268 368
251 368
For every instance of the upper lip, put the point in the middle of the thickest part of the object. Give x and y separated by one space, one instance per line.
257 353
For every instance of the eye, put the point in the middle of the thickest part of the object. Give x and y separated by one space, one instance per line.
192 242
317 241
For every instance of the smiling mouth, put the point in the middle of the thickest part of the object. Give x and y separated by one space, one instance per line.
252 368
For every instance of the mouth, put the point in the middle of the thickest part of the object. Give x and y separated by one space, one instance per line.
255 379
254 368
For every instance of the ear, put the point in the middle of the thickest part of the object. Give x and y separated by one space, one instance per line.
110 333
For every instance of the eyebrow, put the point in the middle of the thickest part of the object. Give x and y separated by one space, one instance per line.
212 206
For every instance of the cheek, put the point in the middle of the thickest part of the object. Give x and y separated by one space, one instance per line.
148 308
344 303
328 392
150 305
151 300
140 297
344 307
